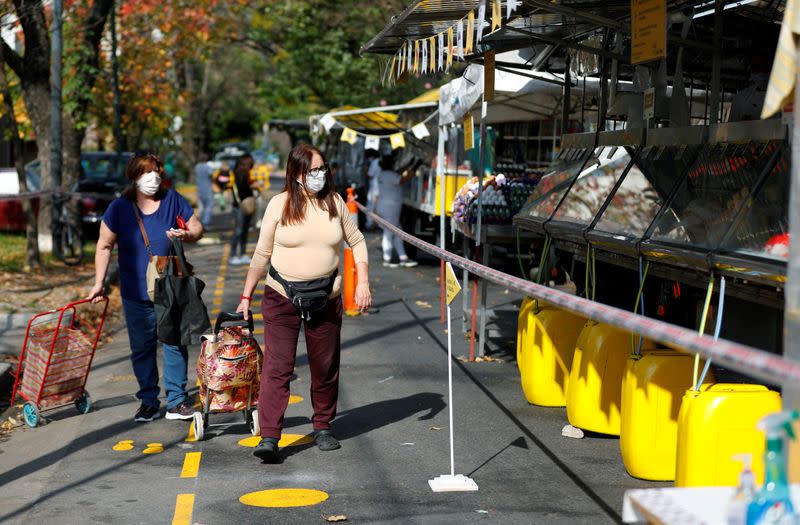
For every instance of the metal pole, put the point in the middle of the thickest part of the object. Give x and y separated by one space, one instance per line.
440 173
115 70
716 64
791 318
481 168
450 390
55 94
566 100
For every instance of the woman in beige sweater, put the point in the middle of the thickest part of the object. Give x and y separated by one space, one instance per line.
301 237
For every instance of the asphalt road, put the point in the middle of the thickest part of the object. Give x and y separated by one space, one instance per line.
392 421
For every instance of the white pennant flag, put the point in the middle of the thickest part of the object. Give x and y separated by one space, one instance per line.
424 56
409 65
441 51
481 22
460 40
421 131
371 142
511 6
327 122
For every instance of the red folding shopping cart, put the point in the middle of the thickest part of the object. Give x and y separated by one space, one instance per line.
56 357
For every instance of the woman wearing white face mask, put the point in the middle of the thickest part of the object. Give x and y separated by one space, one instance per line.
146 208
301 237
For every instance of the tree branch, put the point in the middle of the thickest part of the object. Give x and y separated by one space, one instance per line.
13 59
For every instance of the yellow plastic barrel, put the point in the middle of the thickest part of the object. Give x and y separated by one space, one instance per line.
652 391
717 423
594 394
544 356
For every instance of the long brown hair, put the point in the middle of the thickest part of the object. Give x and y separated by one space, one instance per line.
138 165
297 167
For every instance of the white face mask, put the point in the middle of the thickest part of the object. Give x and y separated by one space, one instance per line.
314 182
149 183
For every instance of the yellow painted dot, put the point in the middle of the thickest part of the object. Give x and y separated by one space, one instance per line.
251 441
126 442
122 447
156 445
278 498
153 448
293 400
287 440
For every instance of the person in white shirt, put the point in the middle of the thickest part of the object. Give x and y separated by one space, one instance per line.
389 205
373 170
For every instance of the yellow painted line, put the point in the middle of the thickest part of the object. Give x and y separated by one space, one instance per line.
191 438
293 399
191 465
216 311
217 301
183 509
219 292
287 440
279 498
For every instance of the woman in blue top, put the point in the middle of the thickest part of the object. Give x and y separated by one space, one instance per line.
159 209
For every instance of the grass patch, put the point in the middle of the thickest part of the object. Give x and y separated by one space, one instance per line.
12 254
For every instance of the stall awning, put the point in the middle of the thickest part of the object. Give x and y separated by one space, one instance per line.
369 119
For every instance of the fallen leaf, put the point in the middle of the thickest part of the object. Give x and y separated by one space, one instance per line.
488 359
423 304
436 428
337 517
463 358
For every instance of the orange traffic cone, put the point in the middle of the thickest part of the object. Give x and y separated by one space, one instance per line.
350 276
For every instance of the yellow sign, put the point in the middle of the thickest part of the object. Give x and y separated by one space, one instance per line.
648 30
349 135
398 140
451 283
468 131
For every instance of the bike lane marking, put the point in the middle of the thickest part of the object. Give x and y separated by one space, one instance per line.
184 505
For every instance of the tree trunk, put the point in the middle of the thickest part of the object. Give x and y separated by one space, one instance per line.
37 102
71 162
31 227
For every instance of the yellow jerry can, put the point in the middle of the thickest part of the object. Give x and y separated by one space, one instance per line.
522 321
717 423
594 393
652 391
544 356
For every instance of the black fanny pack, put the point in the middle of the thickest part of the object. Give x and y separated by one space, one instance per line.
307 296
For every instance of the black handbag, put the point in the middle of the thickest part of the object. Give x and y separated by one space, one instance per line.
307 296
181 314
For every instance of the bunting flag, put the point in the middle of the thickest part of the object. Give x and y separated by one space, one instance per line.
511 6
371 142
416 56
449 47
421 131
497 14
460 40
424 67
327 122
402 59
441 51
408 56
398 140
469 132
481 22
433 55
400 62
349 136
470 32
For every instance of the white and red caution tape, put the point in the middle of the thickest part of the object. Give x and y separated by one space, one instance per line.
772 368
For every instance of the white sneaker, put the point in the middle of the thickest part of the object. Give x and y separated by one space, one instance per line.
408 263
235 260
244 259
390 264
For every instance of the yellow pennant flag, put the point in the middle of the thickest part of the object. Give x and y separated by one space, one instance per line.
497 14
449 47
470 32
402 66
349 136
432 62
469 133
452 285
398 140
416 56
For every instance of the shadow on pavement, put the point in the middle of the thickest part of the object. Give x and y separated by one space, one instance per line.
362 420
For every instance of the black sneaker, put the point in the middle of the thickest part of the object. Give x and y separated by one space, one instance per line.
182 412
267 450
325 440
147 413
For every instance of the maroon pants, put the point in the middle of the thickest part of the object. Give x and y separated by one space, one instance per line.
323 343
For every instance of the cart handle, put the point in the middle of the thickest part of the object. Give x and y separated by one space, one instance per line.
234 319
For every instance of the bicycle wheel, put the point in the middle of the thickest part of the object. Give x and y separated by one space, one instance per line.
70 245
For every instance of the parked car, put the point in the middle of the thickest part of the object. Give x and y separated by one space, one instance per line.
102 176
11 217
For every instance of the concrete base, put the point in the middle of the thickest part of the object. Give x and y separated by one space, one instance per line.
457 483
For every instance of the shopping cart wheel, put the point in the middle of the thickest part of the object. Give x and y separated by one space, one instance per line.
84 403
31 414
255 428
199 426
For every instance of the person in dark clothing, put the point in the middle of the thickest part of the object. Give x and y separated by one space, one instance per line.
243 208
